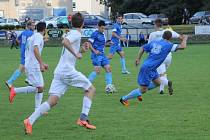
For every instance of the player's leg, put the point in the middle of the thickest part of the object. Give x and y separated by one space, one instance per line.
97 66
112 51
122 61
57 89
79 80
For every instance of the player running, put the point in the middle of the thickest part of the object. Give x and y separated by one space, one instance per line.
148 77
97 43
116 47
22 40
66 75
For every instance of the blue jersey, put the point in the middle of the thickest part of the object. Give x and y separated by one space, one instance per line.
24 36
117 28
158 51
98 41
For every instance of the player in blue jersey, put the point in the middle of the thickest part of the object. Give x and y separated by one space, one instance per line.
97 43
148 77
116 47
22 40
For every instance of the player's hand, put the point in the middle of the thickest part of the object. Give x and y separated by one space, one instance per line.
46 66
78 55
97 52
137 62
124 39
42 67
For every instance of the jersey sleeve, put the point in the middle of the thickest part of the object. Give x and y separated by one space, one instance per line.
37 41
175 34
115 28
174 47
71 38
151 37
146 47
92 38
19 37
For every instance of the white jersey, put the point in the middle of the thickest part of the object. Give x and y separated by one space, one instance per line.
36 40
66 64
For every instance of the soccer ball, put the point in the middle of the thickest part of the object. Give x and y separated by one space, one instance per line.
110 89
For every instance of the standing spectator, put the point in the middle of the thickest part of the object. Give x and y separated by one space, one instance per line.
185 16
141 39
128 37
13 38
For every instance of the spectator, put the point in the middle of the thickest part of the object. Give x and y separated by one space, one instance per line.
141 39
128 37
13 38
185 16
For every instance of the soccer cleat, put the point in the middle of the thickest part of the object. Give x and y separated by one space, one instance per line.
161 92
28 127
140 98
170 88
12 94
85 124
125 72
8 85
124 102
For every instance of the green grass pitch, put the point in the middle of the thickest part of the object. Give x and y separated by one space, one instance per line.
184 116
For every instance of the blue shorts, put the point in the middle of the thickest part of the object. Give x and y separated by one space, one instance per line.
115 48
146 75
99 60
22 55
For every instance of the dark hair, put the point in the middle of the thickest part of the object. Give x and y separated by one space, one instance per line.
77 20
41 26
119 15
167 35
101 23
158 22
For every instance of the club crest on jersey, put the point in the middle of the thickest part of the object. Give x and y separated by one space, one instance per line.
156 48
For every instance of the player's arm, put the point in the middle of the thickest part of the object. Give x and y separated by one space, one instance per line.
68 45
39 58
139 56
119 37
183 43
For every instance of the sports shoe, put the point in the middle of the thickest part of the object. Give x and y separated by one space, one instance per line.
124 102
8 85
85 124
28 127
12 94
161 92
140 98
125 72
170 88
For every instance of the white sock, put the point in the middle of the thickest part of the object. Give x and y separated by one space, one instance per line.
39 111
164 82
86 105
25 90
38 100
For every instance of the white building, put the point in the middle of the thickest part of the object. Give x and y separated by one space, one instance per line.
92 7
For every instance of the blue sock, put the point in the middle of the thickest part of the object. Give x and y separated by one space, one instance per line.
92 76
14 76
151 86
133 94
108 78
122 60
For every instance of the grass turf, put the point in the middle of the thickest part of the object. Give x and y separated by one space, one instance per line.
183 116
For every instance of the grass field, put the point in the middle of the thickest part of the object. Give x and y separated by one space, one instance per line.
184 116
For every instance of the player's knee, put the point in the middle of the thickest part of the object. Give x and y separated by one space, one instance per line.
144 90
53 100
108 69
91 92
40 89
97 71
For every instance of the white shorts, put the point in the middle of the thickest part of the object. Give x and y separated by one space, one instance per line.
165 65
60 83
35 77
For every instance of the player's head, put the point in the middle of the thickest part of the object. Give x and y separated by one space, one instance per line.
101 26
119 18
158 23
30 25
41 27
167 35
77 20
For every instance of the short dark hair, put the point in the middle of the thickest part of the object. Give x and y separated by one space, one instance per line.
158 22
101 23
119 15
29 23
77 20
41 26
167 35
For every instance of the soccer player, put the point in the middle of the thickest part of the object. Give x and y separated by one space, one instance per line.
157 35
97 43
34 66
66 75
116 47
22 39
148 77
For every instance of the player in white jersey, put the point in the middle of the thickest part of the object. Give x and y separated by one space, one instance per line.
34 67
157 35
66 75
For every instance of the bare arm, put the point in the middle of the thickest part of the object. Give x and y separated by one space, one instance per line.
39 59
119 37
183 43
140 54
